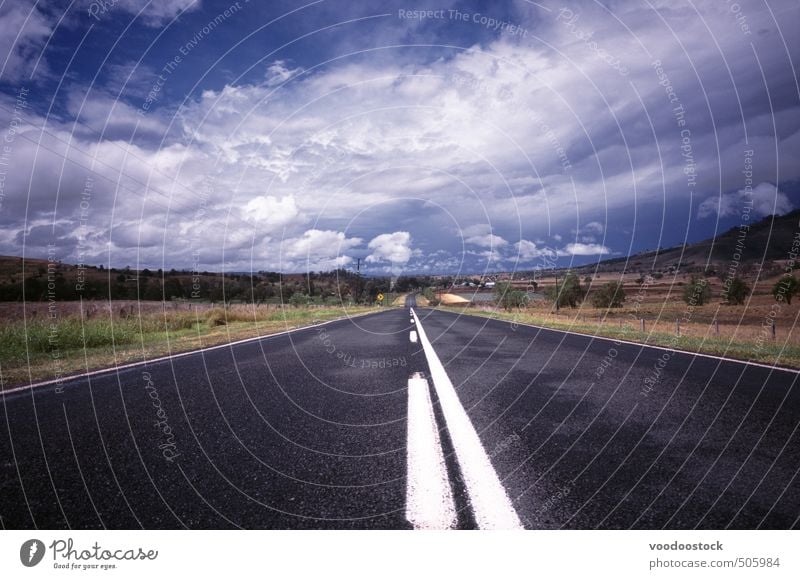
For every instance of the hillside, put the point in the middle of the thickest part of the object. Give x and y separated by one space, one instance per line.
766 243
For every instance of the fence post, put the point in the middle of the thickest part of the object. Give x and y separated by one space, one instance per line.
716 327
678 327
773 329
642 322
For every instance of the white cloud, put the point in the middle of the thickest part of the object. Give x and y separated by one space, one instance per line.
392 247
278 73
271 212
156 13
23 31
362 132
528 250
318 249
765 200
577 249
487 240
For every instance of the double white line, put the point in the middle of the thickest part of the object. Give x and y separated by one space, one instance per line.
429 495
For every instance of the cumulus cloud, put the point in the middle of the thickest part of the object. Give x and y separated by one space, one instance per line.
487 240
317 249
271 212
522 135
278 73
583 249
765 199
528 250
392 247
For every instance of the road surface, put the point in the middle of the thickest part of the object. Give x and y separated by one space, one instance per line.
510 426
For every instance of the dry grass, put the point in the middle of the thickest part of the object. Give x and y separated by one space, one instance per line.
38 343
741 332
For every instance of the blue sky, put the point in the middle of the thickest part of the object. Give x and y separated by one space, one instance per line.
434 137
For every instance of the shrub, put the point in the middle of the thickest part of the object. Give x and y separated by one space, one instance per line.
299 300
697 291
737 291
568 293
509 298
785 289
610 295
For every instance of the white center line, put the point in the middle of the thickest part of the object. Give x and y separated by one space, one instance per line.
429 498
490 503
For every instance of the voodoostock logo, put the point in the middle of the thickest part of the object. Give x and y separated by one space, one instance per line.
31 552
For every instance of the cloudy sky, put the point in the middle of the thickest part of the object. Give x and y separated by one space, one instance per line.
431 136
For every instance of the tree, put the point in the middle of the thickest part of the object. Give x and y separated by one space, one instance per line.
785 289
299 299
697 292
509 298
610 295
738 291
430 295
568 293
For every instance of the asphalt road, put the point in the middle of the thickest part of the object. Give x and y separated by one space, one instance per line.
308 430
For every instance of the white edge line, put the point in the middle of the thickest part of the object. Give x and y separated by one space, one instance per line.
72 377
429 498
489 500
640 344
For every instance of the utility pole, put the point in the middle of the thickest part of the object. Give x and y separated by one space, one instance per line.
558 292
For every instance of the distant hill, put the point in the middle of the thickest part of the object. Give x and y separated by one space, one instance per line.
766 243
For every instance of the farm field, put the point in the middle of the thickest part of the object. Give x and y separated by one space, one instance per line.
738 331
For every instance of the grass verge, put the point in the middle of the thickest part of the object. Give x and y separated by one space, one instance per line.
747 344
44 349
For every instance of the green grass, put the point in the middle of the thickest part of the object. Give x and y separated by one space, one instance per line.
39 350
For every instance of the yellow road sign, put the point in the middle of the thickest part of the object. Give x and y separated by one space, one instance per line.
380 297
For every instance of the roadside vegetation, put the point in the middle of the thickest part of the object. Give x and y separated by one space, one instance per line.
746 341
700 313
90 335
